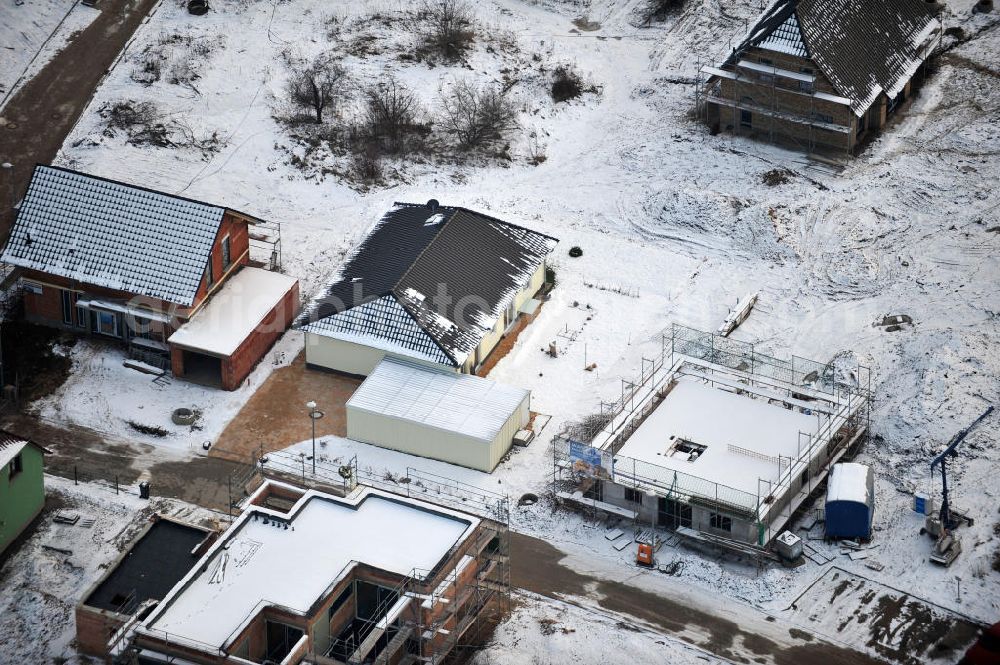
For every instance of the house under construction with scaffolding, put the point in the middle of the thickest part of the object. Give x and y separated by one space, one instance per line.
820 75
716 440
305 576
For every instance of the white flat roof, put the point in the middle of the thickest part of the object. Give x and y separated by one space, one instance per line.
743 436
848 482
255 564
461 403
229 317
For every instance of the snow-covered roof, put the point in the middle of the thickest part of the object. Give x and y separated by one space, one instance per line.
417 253
460 403
382 323
849 481
864 47
786 38
113 235
11 445
257 563
228 318
743 437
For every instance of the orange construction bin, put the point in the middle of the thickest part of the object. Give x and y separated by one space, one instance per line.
644 557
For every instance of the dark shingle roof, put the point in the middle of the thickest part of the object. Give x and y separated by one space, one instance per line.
864 47
113 235
414 251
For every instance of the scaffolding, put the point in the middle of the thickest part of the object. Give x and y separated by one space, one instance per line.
447 610
843 395
265 244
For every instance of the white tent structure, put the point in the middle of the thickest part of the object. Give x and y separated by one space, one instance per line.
457 418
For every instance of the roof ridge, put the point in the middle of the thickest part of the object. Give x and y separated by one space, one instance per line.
417 258
427 332
141 188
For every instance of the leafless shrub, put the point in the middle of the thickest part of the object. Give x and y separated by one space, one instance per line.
315 87
567 84
390 116
659 10
477 115
127 113
148 72
366 165
450 27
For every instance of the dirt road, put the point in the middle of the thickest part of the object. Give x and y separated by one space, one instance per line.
37 119
538 567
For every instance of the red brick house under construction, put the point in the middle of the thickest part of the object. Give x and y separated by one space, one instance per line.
167 276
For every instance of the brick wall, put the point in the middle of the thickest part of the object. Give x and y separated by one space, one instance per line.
237 230
782 96
46 308
239 365
94 628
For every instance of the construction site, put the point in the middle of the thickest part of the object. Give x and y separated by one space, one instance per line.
345 575
716 441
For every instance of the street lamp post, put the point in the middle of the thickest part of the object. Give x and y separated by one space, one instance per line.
314 415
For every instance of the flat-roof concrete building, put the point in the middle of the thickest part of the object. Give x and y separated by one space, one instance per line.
370 577
717 439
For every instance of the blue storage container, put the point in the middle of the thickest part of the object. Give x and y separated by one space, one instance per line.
850 501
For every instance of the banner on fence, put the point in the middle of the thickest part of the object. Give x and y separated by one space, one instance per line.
589 461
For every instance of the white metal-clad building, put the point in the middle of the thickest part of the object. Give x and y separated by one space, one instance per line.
457 418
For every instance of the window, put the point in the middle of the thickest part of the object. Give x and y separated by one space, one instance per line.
806 70
226 258
635 496
766 78
16 466
81 313
823 117
806 86
209 273
67 307
721 522
766 61
106 323
746 118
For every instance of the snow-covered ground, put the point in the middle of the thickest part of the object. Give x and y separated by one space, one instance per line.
675 225
31 32
42 586
106 396
546 632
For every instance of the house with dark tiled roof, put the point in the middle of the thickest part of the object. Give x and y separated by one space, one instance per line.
821 74
431 284
168 277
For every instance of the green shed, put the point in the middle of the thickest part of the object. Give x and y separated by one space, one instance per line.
22 487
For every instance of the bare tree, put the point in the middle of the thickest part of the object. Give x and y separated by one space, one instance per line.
390 114
449 26
315 87
477 115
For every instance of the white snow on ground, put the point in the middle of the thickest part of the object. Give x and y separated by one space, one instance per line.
31 33
675 225
105 396
547 632
41 587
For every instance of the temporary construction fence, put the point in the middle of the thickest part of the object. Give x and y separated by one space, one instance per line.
844 396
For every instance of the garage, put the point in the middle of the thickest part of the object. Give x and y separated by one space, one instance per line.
456 418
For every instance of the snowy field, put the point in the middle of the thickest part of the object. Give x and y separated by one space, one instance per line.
675 225
31 33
